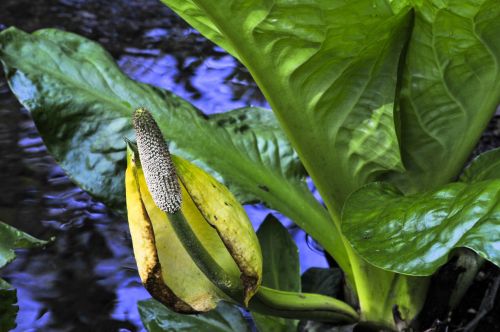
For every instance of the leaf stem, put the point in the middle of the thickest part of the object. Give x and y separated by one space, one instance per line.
274 302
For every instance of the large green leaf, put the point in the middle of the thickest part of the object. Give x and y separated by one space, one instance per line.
329 70
10 239
486 166
82 106
450 88
415 234
281 270
158 318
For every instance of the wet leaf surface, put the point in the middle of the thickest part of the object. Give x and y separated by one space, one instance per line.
225 318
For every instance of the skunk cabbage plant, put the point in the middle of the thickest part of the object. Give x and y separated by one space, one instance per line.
195 218
380 102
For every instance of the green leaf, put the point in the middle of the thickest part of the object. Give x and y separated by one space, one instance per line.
82 105
415 234
158 318
8 306
256 134
281 270
486 166
86 133
450 88
322 281
329 70
10 239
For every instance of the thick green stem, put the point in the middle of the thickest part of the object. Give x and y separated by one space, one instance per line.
273 302
385 298
370 283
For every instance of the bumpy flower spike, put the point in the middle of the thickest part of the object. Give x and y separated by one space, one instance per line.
157 165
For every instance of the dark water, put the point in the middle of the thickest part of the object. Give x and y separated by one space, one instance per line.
87 280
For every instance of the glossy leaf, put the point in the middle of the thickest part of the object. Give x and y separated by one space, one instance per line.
158 318
10 239
281 270
486 166
82 105
329 70
450 88
87 135
415 234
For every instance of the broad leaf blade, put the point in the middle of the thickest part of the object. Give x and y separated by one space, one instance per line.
281 270
325 67
256 132
82 105
10 239
415 234
486 166
450 88
158 318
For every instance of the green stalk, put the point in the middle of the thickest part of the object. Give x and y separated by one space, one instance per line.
379 291
371 283
273 302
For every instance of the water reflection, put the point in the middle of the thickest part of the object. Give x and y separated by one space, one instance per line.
87 280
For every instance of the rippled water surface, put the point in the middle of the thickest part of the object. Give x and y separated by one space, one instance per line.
87 279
